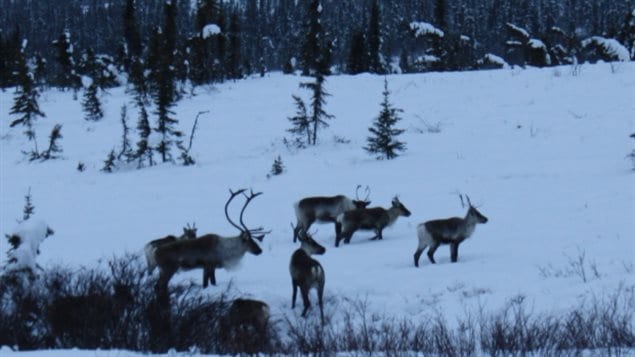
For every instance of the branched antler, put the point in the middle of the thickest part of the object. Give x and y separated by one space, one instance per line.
231 197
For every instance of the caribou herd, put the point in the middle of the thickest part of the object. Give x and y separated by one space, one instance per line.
212 251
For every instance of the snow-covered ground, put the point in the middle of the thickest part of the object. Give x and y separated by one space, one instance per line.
541 152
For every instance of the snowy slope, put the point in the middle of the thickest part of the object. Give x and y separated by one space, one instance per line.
540 151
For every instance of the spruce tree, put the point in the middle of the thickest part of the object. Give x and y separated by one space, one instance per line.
165 94
53 150
234 57
277 168
29 209
318 115
383 142
66 76
126 152
131 30
10 52
144 150
300 125
40 71
110 162
357 58
375 64
25 101
312 47
91 103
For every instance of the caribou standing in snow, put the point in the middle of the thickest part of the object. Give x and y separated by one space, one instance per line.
325 209
376 218
452 231
189 232
210 251
307 273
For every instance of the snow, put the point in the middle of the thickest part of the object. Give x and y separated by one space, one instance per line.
492 58
427 59
519 30
541 155
611 46
210 30
424 28
536 44
86 81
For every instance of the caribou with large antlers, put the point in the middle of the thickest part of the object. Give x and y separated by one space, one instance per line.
210 251
452 231
325 209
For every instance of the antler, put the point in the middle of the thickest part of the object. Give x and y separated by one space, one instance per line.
468 200
258 233
367 190
357 192
231 197
190 231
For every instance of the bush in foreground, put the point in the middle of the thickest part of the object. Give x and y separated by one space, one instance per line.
114 307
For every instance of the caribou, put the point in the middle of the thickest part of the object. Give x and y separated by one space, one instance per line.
307 273
210 251
452 231
248 313
325 209
189 232
375 218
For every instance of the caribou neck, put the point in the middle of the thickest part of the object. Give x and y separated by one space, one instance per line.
393 214
232 249
469 223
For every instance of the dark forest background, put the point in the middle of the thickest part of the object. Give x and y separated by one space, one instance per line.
261 35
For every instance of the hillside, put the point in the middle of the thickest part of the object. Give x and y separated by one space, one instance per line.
541 152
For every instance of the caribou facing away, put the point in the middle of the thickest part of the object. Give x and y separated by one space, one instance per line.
452 231
325 209
189 232
376 218
307 273
209 251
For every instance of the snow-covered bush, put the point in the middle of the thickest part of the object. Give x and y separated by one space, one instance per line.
491 61
24 248
598 48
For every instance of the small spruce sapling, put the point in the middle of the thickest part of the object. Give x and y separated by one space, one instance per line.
29 209
277 168
318 114
632 154
53 151
126 154
186 158
91 103
144 150
109 163
300 124
383 142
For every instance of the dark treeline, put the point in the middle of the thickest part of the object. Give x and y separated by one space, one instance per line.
260 35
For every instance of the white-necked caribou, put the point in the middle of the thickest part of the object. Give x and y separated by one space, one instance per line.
325 209
452 231
210 251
